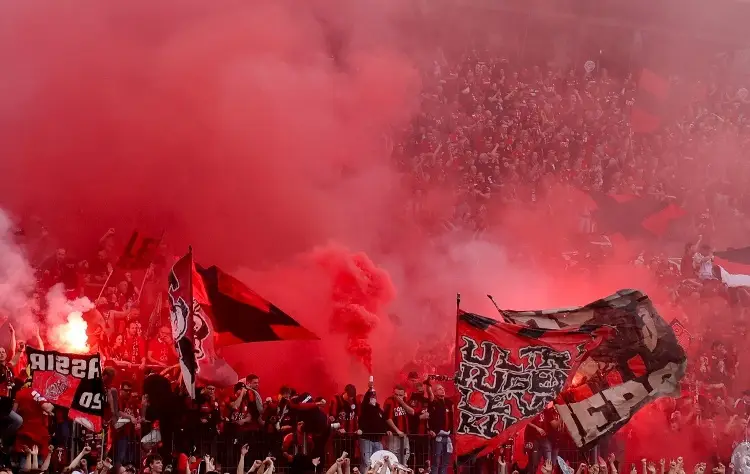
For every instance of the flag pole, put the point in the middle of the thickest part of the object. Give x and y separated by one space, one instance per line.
105 426
499 311
104 285
458 314
191 318
456 359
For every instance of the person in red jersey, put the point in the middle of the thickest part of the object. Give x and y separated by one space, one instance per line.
135 346
161 350
207 421
297 448
397 412
343 411
35 410
237 415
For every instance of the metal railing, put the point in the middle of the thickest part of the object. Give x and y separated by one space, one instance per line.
421 453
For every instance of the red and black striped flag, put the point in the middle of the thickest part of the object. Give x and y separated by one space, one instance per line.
634 216
139 252
651 102
224 312
240 315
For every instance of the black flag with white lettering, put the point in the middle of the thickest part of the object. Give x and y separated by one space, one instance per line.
640 361
72 381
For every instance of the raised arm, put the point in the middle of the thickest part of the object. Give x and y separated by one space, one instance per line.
48 459
12 348
77 460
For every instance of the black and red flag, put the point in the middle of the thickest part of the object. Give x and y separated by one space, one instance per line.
240 315
72 381
651 101
180 296
224 312
734 260
634 216
192 328
139 253
507 374
733 265
637 362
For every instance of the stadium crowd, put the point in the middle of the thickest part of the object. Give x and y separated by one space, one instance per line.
499 134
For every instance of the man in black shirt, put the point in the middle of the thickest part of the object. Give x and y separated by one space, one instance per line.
440 425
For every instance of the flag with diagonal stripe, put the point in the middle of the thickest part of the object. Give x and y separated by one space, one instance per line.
240 315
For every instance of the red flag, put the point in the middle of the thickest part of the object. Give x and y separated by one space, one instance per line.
507 374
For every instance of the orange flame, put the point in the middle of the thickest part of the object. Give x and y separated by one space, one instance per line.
72 335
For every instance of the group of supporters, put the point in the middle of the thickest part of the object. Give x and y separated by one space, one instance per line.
497 132
297 430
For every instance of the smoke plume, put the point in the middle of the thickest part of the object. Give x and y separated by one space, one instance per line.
257 132
66 328
17 280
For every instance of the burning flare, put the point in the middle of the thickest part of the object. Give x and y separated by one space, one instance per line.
72 335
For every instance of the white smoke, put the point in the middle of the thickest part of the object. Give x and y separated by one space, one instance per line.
17 282
66 327
17 287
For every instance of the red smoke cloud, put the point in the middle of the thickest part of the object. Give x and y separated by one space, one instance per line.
361 292
230 126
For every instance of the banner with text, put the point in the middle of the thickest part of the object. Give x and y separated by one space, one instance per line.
72 381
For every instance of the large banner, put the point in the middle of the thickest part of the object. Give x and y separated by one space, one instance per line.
72 381
507 374
638 362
